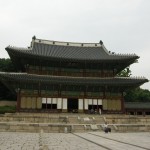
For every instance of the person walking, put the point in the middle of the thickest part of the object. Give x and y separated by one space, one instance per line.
100 111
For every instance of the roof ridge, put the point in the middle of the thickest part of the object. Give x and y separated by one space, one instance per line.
63 43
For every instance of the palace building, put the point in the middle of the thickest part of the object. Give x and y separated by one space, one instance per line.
57 76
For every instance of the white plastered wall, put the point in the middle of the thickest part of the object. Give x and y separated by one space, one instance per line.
59 103
64 103
80 107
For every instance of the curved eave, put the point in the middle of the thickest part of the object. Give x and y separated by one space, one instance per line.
16 52
117 81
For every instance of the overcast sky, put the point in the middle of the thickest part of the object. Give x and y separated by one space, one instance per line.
123 25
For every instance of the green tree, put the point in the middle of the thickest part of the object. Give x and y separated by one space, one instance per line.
6 66
125 73
137 94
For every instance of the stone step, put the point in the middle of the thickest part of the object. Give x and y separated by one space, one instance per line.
34 122
62 128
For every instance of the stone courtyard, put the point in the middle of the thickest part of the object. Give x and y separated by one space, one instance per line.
74 141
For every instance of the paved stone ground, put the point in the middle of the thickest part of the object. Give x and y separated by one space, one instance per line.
76 141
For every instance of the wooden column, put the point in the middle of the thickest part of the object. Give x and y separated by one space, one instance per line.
122 104
18 99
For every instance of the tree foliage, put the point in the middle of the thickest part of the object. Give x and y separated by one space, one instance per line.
137 95
125 73
134 95
6 66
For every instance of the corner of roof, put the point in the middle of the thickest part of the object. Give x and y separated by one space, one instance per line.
8 47
118 54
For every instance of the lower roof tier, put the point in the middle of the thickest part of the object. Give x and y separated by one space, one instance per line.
137 105
65 80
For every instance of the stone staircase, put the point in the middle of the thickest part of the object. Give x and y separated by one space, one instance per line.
64 123
127 123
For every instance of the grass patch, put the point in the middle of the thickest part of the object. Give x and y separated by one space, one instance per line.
7 109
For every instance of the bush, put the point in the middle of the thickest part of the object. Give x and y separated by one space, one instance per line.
7 109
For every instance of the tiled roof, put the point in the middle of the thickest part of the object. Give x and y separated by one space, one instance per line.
137 105
121 81
66 50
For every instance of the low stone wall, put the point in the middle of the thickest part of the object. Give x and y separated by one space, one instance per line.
132 127
7 103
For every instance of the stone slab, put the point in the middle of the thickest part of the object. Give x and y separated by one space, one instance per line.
78 141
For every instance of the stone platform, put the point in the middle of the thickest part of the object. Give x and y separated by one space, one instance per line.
71 123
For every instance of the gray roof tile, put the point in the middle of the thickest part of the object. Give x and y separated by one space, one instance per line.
137 105
62 51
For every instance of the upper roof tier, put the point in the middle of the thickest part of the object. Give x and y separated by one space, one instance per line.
68 51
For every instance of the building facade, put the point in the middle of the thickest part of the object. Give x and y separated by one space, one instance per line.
57 76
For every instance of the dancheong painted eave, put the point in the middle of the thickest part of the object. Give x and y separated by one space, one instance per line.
69 51
48 79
